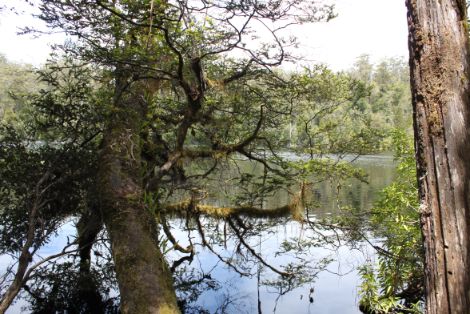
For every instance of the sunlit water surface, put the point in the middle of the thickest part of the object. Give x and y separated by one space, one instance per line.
331 278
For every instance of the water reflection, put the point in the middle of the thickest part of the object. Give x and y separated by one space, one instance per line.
325 278
241 264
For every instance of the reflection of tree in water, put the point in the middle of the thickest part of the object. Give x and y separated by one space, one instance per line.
67 285
62 288
250 205
235 236
82 281
238 243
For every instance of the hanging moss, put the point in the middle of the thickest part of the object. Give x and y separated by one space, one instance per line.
295 209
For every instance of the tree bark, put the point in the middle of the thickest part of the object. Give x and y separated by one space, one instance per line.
145 282
439 52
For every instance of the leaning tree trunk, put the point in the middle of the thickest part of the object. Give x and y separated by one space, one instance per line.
439 52
145 282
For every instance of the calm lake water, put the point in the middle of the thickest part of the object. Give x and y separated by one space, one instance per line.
328 278
324 262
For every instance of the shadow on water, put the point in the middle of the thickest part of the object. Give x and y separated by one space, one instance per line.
242 263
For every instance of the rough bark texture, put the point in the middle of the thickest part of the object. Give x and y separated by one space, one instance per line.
438 44
145 282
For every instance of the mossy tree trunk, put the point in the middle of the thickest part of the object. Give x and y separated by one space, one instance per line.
439 54
145 282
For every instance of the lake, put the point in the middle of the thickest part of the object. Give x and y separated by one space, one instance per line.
328 280
236 268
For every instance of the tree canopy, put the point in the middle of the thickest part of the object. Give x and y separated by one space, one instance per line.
146 103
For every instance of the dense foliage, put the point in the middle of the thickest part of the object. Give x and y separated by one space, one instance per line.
16 81
396 282
149 104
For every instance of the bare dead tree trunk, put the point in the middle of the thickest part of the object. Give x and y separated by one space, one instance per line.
440 73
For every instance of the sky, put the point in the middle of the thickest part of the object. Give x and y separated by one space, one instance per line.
374 27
